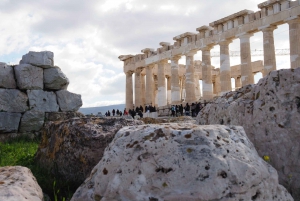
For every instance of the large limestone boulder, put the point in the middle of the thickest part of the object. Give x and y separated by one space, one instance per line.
68 101
42 101
18 184
42 59
7 79
55 79
172 162
29 77
13 100
32 121
9 122
76 145
270 113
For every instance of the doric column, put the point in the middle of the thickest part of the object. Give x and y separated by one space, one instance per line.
143 90
161 76
207 86
183 91
149 85
168 90
269 50
225 73
246 69
238 83
129 91
175 88
190 78
294 30
138 88
197 87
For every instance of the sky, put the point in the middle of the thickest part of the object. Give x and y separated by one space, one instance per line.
87 37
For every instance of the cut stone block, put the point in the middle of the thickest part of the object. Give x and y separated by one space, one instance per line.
7 79
42 59
32 121
29 77
68 101
13 100
9 122
42 101
55 79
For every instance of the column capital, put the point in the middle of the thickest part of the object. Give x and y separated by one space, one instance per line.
225 42
176 57
164 61
244 35
150 66
267 28
138 70
129 73
191 53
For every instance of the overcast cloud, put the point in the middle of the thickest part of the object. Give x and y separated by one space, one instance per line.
88 36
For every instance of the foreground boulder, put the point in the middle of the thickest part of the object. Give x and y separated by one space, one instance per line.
18 184
71 148
185 161
270 114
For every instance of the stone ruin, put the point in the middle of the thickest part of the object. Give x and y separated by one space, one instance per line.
30 92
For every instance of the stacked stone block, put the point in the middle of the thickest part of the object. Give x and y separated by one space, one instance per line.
31 89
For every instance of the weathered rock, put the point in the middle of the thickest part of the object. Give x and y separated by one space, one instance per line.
55 79
42 59
77 145
181 162
42 101
29 77
61 116
18 184
182 119
7 79
270 113
13 100
32 121
9 122
68 101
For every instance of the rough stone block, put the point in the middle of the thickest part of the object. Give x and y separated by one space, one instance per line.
42 59
32 121
68 101
42 101
13 100
61 116
19 184
55 79
9 122
7 79
29 77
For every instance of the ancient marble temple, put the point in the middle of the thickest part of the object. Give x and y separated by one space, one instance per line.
161 83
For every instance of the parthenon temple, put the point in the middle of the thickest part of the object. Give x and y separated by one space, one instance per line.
160 83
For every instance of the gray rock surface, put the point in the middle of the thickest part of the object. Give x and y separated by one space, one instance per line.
42 59
13 100
32 121
42 101
29 77
184 161
68 101
9 122
7 79
55 79
61 116
18 184
77 145
270 114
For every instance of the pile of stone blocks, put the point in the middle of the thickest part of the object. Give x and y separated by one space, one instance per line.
31 89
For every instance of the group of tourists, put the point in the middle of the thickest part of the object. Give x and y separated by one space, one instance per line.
188 110
114 113
140 110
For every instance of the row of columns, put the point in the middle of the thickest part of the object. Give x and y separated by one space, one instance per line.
191 82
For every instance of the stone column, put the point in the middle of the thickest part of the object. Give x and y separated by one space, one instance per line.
143 90
138 88
149 85
207 86
183 91
190 78
238 83
161 76
175 88
225 73
197 87
129 91
269 50
246 69
168 90
294 30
